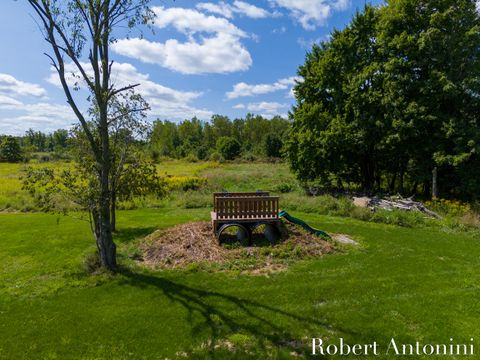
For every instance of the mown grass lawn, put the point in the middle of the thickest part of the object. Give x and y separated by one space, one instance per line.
411 284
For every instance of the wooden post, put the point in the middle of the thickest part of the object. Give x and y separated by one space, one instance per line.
434 182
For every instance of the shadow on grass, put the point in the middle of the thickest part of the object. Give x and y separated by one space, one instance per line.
224 315
130 234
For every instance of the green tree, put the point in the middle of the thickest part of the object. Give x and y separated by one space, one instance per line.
190 133
36 140
59 139
164 138
10 150
433 50
338 122
273 146
399 82
228 147
222 126
77 30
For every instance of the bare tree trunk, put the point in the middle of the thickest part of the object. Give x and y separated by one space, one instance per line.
392 183
113 206
414 188
400 185
103 229
434 182
368 175
104 237
426 188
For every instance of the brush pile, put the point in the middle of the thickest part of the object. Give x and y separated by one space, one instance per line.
406 204
195 243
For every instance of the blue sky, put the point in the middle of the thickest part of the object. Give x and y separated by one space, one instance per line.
205 57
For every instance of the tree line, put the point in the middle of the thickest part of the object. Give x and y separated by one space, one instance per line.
219 139
391 102
21 148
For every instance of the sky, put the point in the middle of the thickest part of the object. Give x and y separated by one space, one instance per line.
229 57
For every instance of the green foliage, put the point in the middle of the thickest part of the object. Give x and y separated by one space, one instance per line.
10 150
55 190
285 187
139 179
447 207
164 138
383 101
196 138
228 147
37 141
273 146
184 183
216 156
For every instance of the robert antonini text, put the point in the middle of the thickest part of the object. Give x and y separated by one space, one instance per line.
393 347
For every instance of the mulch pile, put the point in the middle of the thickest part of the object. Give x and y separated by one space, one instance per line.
195 242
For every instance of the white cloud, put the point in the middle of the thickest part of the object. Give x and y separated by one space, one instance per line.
308 43
190 21
7 101
221 8
291 94
238 7
280 30
12 86
243 89
217 49
311 13
252 11
20 111
165 102
264 108
43 116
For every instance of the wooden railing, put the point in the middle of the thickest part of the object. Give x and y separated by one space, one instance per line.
243 207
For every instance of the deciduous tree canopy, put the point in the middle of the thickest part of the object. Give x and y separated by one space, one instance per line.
391 97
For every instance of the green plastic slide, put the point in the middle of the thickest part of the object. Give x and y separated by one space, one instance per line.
283 214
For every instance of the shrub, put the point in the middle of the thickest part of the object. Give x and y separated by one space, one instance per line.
284 188
228 147
155 155
191 158
185 183
448 207
249 156
10 150
217 157
202 152
273 146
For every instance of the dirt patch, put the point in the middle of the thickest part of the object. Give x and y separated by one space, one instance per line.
195 243
344 239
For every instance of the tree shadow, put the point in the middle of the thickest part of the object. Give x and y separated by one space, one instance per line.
130 234
223 314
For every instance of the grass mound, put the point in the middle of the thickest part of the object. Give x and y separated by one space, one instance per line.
194 243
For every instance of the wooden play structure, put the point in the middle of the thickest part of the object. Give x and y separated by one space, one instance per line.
245 211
